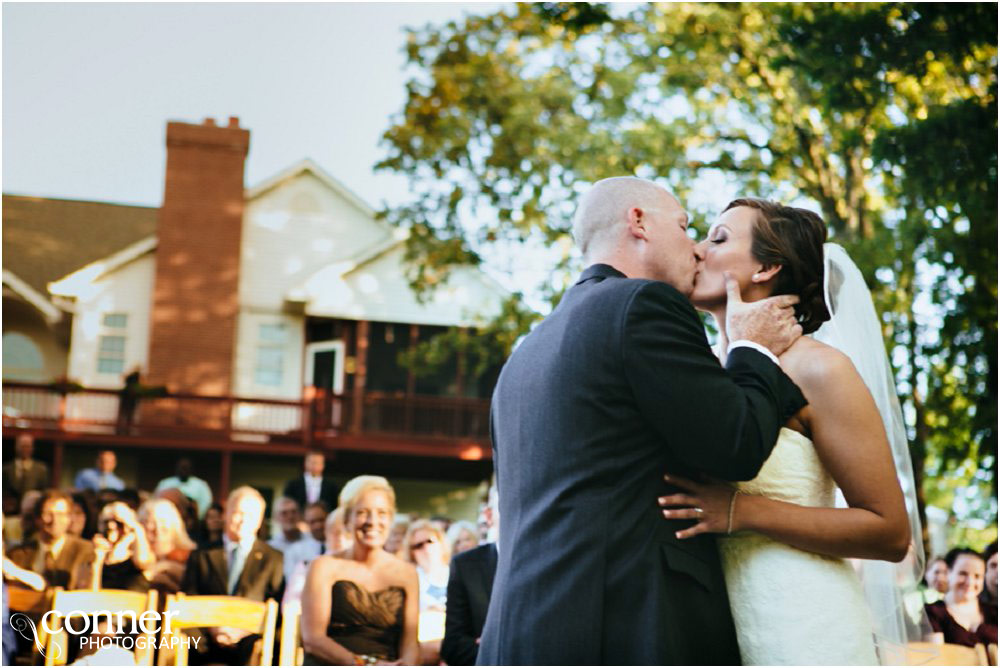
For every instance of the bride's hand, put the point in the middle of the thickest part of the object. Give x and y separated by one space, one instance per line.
707 502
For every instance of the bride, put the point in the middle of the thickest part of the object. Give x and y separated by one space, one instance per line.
795 598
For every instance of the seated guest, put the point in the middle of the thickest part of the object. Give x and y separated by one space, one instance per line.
960 616
210 529
311 545
122 549
102 476
397 536
935 580
63 560
469 588
362 606
240 566
334 542
312 485
20 529
170 542
190 486
83 515
429 550
289 519
24 473
462 536
989 594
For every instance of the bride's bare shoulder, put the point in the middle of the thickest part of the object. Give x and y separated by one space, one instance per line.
812 364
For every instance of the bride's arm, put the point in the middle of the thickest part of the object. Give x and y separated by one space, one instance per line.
849 437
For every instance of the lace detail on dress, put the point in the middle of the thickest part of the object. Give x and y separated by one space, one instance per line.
793 607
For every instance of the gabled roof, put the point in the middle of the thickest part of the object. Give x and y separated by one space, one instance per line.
45 239
77 282
307 165
49 311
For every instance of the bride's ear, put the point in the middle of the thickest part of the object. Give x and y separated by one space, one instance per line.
765 274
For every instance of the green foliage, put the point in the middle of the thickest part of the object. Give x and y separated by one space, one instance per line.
881 115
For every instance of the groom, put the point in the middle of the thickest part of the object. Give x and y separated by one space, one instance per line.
613 388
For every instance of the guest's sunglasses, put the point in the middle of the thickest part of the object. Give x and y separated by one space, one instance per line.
421 544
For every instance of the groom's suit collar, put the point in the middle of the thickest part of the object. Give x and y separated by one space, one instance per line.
599 271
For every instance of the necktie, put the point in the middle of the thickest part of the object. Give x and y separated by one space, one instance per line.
234 573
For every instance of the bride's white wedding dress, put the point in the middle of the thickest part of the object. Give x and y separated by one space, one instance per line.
793 607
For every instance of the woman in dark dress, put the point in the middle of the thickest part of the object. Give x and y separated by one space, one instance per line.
360 607
122 549
960 615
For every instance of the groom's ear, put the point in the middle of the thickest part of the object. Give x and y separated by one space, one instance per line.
765 273
636 219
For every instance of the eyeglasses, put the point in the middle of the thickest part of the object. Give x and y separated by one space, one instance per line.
422 544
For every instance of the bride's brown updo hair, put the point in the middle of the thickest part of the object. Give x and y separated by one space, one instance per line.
792 238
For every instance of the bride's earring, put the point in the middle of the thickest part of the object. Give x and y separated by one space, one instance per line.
755 277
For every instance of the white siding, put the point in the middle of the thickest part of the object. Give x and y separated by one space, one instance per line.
379 290
127 290
247 345
292 231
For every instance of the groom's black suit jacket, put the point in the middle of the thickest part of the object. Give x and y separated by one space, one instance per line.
616 387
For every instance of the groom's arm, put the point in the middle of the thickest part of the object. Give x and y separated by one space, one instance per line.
723 422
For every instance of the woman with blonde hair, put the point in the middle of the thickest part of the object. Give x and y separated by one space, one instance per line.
429 549
170 542
360 607
462 536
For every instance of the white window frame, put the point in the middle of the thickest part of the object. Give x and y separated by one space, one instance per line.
338 367
108 331
280 347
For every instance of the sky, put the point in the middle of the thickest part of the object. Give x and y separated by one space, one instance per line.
88 90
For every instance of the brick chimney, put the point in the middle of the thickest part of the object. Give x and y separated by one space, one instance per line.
196 293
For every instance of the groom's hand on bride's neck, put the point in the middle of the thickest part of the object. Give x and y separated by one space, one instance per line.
769 322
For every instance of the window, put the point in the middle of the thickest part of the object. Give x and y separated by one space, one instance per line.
22 358
271 340
111 344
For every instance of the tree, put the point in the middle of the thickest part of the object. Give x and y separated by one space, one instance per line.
883 116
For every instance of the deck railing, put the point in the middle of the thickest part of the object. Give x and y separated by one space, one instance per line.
318 417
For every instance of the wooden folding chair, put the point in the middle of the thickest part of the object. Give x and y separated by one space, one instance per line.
189 612
291 652
27 600
991 652
944 654
121 607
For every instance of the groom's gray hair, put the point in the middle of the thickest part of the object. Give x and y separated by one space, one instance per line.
605 206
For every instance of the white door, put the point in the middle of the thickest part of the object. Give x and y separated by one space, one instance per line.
325 366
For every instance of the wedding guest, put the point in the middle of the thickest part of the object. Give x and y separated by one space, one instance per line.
170 542
989 593
338 535
462 536
122 550
960 615
240 566
211 528
20 529
429 550
362 607
312 485
24 473
190 486
83 515
102 476
288 516
397 537
935 580
311 544
470 586
60 558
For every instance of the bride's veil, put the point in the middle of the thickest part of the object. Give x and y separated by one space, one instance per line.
891 589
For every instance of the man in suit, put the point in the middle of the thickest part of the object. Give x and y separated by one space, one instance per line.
63 560
312 485
470 584
241 565
24 473
615 387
